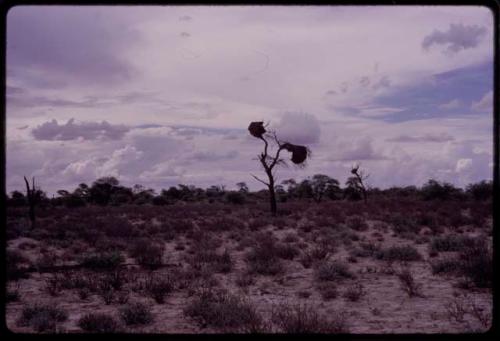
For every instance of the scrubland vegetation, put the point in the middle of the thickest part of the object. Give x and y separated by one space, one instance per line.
107 258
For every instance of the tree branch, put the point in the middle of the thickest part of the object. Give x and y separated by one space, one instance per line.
256 178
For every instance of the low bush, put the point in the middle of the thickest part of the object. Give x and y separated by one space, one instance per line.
303 319
354 292
286 251
357 223
408 283
14 263
328 291
263 258
42 317
451 242
477 264
333 271
102 260
446 266
224 311
147 253
405 253
157 287
136 314
98 323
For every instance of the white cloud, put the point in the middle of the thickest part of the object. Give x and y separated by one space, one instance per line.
463 165
298 128
458 37
453 104
485 104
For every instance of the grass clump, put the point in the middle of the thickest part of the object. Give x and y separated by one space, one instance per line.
98 323
136 314
333 271
102 260
42 317
304 319
224 311
404 253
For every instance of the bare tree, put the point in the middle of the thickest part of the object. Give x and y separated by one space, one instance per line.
268 162
33 195
358 181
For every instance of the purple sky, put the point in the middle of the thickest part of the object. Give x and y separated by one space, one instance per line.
163 95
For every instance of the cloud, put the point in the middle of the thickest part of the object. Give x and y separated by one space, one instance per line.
211 156
458 37
422 138
298 128
485 104
383 82
463 165
83 44
72 131
453 104
358 150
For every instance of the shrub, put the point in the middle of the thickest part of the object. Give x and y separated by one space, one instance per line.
14 260
354 292
477 264
224 311
285 251
405 253
403 224
136 314
303 319
102 261
333 271
159 286
451 265
244 280
98 323
12 296
408 283
328 291
147 253
236 198
42 317
263 258
451 242
203 257
357 223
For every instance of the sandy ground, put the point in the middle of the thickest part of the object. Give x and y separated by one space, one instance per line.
385 308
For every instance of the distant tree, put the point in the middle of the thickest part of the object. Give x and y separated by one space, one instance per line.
291 187
322 185
121 195
281 194
242 187
17 199
34 196
82 191
304 189
235 197
101 190
435 190
480 191
356 184
268 162
142 195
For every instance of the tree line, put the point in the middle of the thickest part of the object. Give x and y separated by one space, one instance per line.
319 187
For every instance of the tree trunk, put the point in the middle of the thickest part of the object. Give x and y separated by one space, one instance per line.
272 199
32 216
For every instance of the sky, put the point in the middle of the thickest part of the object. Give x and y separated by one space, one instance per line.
163 95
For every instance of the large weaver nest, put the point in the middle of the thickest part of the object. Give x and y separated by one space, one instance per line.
299 153
257 129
